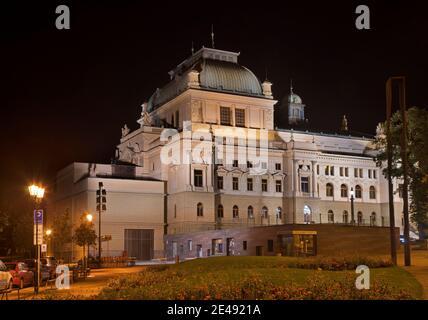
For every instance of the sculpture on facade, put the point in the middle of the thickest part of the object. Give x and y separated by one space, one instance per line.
125 130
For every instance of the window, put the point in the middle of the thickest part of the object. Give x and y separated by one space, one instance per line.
235 163
225 116
360 217
345 217
249 164
318 169
400 190
373 219
235 183
264 185
175 211
330 216
277 166
356 172
270 245
278 185
332 170
341 171
374 174
200 210
361 173
304 184
240 117
344 191
220 213
250 212
327 170
372 192
265 213
244 245
197 178
189 245
235 212
279 213
217 246
329 190
346 172
249 184
358 192
220 183
264 165
370 173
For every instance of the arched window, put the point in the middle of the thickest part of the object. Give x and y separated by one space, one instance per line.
307 214
279 212
220 213
200 210
329 190
360 217
265 213
330 216
235 212
373 219
372 192
345 217
344 191
250 212
358 192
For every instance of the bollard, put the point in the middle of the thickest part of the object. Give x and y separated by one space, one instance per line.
177 259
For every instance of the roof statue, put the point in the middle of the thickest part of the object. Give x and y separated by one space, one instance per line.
125 131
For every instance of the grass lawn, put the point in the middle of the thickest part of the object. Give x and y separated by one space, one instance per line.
232 277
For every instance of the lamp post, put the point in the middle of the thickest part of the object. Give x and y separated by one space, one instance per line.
37 193
89 217
352 207
48 234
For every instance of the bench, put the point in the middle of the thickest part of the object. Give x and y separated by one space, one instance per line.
5 294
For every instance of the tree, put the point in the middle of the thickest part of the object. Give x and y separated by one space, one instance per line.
62 232
417 151
84 235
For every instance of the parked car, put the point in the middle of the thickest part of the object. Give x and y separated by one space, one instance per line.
22 276
44 270
6 280
51 263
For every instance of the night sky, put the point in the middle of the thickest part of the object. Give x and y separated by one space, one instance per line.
65 94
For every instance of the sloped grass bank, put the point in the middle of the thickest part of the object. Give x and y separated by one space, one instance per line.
265 278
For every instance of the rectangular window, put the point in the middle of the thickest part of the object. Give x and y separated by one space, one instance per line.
235 163
264 165
240 117
341 171
244 245
318 169
327 170
361 173
370 173
304 182
277 166
270 245
220 183
225 116
249 184
235 183
198 182
189 245
278 185
356 172
264 185
332 170
249 164
346 172
374 174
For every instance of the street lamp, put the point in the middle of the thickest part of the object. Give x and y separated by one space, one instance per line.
89 217
352 207
48 232
37 193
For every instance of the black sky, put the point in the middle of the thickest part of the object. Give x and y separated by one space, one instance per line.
67 93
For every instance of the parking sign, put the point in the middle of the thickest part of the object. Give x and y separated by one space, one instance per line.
38 216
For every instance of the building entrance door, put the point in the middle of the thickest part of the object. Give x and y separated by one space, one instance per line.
259 250
139 243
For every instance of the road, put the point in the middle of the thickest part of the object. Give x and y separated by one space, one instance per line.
91 286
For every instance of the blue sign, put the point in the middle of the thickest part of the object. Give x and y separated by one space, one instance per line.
38 216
